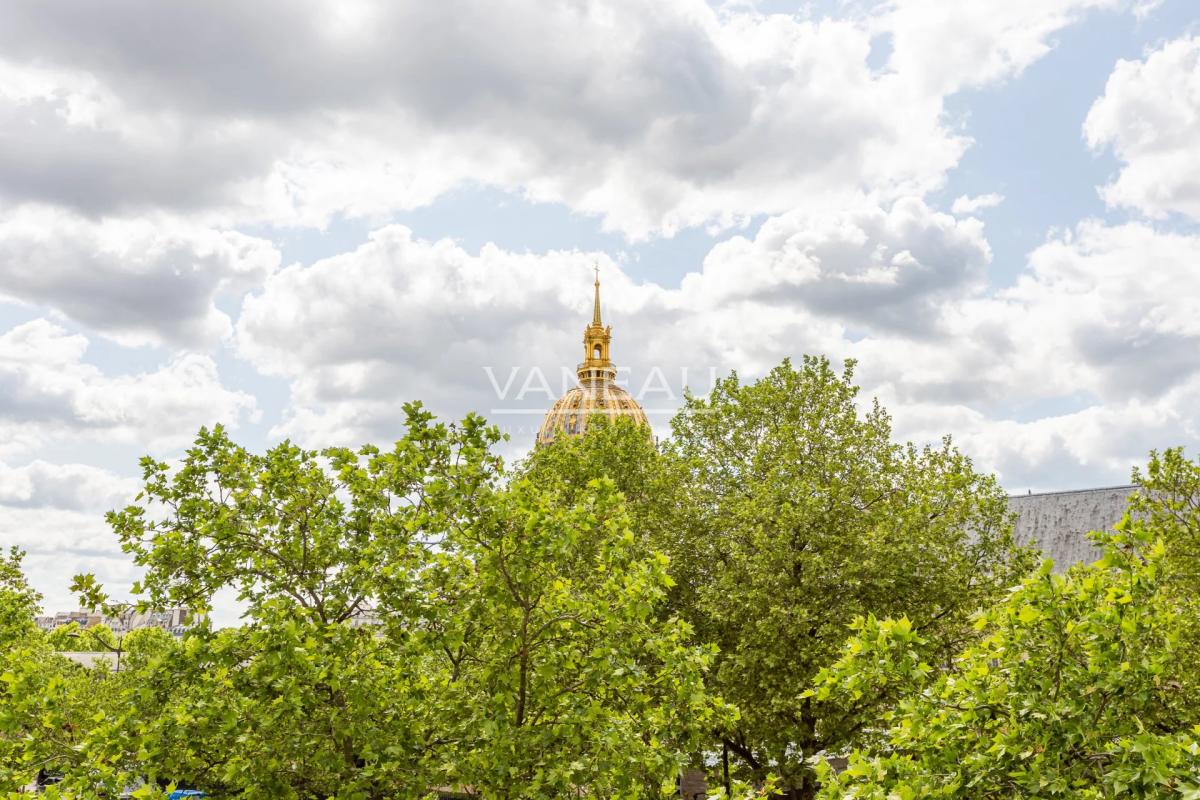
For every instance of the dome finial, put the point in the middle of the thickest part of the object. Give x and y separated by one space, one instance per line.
596 305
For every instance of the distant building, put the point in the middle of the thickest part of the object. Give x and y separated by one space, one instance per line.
172 620
1058 522
81 618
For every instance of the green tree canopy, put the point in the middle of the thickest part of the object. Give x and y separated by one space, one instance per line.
47 703
19 602
72 637
412 620
23 676
1077 689
566 680
652 484
802 513
1168 500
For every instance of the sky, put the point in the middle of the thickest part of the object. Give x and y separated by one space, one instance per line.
293 217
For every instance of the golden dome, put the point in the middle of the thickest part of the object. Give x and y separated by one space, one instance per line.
597 392
570 413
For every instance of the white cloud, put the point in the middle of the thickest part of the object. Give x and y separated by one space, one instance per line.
1117 308
1096 445
75 487
1103 322
863 265
55 513
73 140
945 46
403 318
1149 115
1108 311
1145 8
47 389
1076 370
136 280
655 117
965 204
62 543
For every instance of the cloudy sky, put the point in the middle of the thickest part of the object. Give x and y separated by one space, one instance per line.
292 217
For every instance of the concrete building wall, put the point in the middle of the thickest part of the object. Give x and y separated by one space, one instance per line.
1058 522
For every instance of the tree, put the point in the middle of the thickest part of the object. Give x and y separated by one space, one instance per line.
651 483
567 682
513 645
142 646
301 701
803 514
18 601
65 637
23 685
47 703
72 637
1077 689
1169 501
19 685
619 450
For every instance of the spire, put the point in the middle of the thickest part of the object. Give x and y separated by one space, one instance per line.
596 366
596 306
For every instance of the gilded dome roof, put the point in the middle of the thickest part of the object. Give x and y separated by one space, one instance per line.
570 413
597 392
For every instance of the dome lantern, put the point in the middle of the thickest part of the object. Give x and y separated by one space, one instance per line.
597 392
596 366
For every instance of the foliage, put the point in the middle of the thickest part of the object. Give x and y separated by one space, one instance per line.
66 637
1075 690
141 648
22 681
282 707
1169 503
804 513
557 649
71 637
47 703
411 621
18 601
619 450
651 483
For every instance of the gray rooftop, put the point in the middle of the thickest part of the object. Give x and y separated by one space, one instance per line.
91 659
1058 522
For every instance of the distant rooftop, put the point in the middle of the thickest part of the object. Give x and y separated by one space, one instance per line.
1125 487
